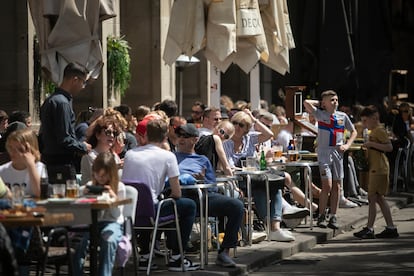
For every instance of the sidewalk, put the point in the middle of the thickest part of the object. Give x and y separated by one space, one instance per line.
263 253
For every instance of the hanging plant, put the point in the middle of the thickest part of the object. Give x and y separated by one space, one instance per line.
118 64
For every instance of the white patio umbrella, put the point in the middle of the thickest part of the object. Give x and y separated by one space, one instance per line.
242 32
68 32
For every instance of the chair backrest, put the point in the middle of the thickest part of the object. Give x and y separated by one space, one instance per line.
145 210
130 209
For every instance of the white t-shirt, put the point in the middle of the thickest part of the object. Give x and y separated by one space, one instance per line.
151 165
11 176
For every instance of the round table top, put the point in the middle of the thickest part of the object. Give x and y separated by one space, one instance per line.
256 172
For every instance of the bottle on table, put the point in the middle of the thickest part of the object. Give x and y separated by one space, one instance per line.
262 163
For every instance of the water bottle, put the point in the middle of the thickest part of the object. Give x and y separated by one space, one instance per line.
365 135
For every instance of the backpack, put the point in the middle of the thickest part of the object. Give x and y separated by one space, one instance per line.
206 146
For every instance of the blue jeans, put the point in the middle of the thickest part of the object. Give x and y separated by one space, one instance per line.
223 206
275 203
110 236
186 209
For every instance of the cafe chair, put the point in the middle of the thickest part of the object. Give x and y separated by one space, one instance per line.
50 253
129 215
147 218
401 167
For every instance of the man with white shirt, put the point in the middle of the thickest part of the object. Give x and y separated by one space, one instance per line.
152 165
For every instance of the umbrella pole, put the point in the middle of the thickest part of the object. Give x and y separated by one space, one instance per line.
180 91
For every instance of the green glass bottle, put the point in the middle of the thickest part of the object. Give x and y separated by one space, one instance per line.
263 163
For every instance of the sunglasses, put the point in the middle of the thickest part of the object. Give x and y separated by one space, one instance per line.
109 132
225 135
405 111
217 119
196 112
183 135
238 124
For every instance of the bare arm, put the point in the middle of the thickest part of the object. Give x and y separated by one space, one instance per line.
311 105
265 132
175 187
222 156
387 147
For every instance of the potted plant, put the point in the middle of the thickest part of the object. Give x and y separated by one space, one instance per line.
118 64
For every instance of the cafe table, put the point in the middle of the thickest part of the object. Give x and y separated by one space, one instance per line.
35 217
85 211
248 174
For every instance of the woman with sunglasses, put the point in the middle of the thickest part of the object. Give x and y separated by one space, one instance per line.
104 134
243 144
212 146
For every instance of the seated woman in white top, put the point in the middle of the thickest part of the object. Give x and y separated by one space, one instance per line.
25 168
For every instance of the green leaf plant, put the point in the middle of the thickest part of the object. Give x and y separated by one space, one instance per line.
118 64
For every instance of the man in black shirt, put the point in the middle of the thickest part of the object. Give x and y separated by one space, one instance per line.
59 145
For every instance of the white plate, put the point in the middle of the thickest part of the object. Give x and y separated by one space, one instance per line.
61 200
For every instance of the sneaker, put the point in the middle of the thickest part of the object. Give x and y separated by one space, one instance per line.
143 264
365 233
295 212
345 203
388 233
175 265
333 222
282 236
322 221
223 259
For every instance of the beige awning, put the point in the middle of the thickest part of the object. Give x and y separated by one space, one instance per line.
68 31
242 32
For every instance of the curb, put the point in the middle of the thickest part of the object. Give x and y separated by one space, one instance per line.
264 253
259 255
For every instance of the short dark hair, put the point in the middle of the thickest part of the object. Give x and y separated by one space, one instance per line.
157 130
74 70
200 104
123 109
19 116
169 107
369 111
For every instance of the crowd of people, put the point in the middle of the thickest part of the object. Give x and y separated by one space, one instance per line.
156 146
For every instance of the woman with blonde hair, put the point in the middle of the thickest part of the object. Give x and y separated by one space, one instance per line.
25 167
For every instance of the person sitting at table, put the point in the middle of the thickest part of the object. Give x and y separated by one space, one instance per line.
243 144
25 167
198 166
110 221
150 164
104 135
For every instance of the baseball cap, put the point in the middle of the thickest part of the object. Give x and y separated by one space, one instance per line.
142 125
187 130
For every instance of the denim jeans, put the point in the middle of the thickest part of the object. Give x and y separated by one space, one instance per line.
186 209
259 196
110 236
223 206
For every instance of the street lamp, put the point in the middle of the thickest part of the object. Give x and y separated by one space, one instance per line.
181 63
